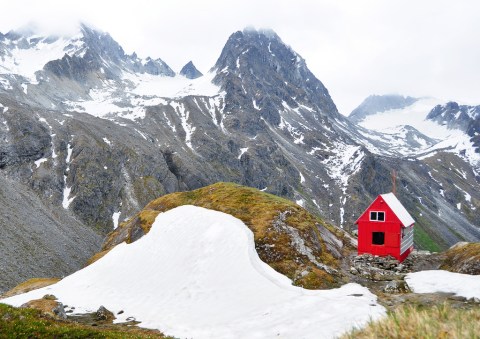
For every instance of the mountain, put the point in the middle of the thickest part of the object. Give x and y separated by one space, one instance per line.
190 71
39 240
454 115
463 117
380 103
205 280
98 134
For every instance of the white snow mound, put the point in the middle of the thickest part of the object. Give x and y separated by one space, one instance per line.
196 274
465 285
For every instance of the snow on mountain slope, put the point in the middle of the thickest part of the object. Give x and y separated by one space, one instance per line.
393 124
172 87
413 115
142 90
26 56
196 274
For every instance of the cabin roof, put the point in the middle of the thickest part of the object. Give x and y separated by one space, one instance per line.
397 208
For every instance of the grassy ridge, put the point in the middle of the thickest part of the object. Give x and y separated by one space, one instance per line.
30 323
441 321
463 258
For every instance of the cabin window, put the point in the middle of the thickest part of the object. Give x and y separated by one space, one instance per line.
377 216
378 238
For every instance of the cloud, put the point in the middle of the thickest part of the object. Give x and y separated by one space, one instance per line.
356 48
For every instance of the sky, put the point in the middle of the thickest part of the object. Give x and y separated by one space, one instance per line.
355 47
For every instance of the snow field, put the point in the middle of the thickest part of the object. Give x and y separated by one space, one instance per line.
413 115
196 274
464 285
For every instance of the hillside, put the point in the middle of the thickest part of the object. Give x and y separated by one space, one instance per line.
38 240
287 237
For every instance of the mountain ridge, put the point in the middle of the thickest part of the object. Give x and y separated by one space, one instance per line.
105 145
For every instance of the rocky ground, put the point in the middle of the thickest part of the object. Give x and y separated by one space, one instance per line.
384 276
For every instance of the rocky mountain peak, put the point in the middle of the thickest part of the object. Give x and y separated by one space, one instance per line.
257 64
102 44
454 115
94 51
190 71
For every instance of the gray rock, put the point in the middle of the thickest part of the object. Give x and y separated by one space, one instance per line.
396 286
190 71
59 311
103 314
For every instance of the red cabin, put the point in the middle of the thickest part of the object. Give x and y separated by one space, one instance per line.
386 228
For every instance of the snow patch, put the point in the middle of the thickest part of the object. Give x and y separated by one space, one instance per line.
302 178
465 285
204 279
345 161
66 194
115 218
172 87
108 142
242 151
296 134
184 115
40 161
67 190
142 134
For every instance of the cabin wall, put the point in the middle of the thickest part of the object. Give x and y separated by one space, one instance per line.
392 239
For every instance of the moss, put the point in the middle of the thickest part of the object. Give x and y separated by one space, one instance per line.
463 258
147 217
316 279
31 323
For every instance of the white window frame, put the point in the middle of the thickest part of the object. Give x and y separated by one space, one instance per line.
370 216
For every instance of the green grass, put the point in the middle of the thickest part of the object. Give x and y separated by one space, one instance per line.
440 321
30 323
424 241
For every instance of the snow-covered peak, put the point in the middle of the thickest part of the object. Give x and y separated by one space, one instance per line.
25 55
